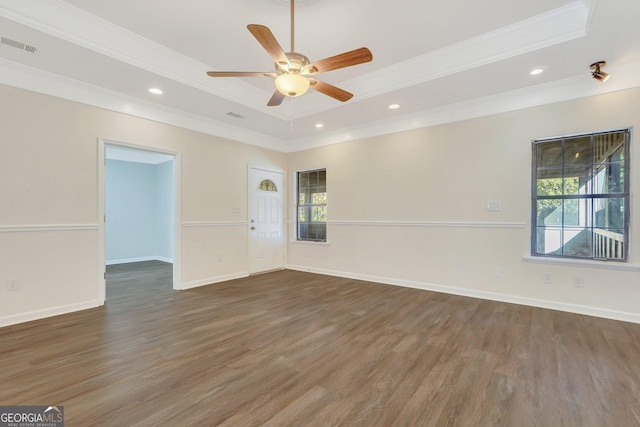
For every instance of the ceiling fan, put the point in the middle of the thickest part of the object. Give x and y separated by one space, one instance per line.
295 74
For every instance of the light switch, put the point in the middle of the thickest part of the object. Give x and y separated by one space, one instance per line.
494 206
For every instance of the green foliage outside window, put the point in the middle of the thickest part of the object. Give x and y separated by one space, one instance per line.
557 187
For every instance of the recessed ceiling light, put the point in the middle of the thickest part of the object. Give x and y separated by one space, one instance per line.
394 106
155 91
538 70
319 125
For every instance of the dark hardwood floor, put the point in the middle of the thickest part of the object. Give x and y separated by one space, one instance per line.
299 349
140 279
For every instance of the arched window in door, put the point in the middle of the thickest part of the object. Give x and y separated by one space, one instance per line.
267 185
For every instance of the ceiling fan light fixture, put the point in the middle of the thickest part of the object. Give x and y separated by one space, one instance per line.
597 73
292 84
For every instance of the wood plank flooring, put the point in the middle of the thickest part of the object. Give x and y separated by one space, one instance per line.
299 349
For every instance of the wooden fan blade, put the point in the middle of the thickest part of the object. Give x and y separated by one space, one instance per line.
330 90
276 99
347 59
268 41
240 74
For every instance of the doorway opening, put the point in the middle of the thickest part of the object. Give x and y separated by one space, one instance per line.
139 235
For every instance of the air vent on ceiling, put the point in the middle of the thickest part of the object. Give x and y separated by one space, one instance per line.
18 45
235 115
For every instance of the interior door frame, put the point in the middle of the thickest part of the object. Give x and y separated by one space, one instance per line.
102 143
284 213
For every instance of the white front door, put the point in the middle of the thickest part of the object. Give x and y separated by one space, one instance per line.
266 220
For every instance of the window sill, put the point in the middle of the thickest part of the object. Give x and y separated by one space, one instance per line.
309 242
601 265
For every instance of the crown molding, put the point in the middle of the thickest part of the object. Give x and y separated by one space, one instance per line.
36 80
72 24
623 77
581 86
76 26
554 27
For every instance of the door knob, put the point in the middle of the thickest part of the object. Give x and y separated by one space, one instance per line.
253 228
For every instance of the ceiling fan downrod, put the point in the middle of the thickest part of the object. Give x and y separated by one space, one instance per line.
292 26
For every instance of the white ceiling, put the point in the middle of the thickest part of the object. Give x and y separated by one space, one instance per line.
441 61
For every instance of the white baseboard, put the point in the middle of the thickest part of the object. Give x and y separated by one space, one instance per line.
512 299
212 280
47 312
139 259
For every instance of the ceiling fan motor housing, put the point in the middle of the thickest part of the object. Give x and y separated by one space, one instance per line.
295 66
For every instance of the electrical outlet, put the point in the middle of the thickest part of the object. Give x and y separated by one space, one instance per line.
13 284
220 257
578 282
546 278
498 272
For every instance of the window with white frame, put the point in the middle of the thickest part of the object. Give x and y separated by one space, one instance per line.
580 196
311 219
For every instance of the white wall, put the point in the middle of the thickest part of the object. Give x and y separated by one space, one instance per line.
410 209
49 201
406 208
165 208
139 211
